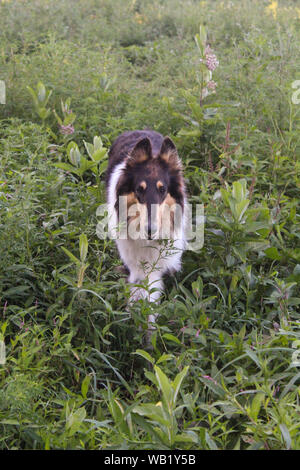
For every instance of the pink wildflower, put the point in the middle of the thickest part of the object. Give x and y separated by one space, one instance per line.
211 85
208 377
66 130
211 60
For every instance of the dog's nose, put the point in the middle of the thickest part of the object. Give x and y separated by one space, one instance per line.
152 231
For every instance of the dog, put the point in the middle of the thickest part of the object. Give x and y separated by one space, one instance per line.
145 174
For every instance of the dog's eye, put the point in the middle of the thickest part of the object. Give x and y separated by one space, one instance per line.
162 189
140 189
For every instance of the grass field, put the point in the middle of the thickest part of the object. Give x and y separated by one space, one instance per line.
224 368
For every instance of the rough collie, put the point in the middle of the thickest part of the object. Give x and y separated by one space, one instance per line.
146 202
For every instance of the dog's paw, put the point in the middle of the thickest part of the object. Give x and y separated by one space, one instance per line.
122 270
137 293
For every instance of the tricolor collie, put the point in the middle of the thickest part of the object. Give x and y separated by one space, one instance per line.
145 182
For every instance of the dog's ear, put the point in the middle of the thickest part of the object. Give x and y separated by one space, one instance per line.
140 153
168 153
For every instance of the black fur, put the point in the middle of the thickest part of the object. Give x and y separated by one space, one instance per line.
152 169
126 142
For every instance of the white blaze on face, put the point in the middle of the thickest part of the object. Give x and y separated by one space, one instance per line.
137 218
170 219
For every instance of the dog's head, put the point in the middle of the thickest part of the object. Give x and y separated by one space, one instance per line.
154 189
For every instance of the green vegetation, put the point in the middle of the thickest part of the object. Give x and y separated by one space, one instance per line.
223 372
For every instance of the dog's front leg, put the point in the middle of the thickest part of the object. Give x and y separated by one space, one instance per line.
155 291
152 292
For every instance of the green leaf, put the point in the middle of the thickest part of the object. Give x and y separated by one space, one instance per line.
202 34
241 208
146 426
214 387
103 167
73 154
41 92
152 411
15 291
253 356
286 435
164 357
188 294
71 256
225 195
151 376
13 422
221 222
256 405
43 113
34 96
189 132
59 120
239 190
171 338
86 164
240 252
145 355
199 44
272 253
177 383
74 420
69 119
237 445
165 386
89 148
188 437
211 444
85 385
99 155
83 247
65 166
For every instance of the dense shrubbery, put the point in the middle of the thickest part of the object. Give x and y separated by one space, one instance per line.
224 369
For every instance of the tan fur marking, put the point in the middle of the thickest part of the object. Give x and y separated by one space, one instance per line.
142 157
169 200
136 215
165 157
159 184
172 159
131 199
143 184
